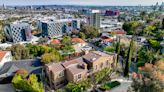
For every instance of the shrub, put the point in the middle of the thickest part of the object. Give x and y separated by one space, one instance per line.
109 49
140 64
104 87
109 85
113 84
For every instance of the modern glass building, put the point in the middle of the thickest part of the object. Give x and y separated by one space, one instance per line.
18 32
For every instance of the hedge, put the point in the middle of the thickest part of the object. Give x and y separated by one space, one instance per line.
109 85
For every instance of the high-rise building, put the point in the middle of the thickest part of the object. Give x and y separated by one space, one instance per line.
94 19
18 32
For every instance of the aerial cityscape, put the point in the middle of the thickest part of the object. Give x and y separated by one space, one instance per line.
81 46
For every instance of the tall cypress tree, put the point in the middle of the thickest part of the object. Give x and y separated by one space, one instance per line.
163 23
118 49
129 57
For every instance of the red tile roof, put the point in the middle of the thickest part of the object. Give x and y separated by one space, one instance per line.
77 40
108 40
55 41
119 31
2 54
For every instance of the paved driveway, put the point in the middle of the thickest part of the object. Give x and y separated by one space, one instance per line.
123 87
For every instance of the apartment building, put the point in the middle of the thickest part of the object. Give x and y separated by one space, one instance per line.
59 74
58 27
18 32
53 29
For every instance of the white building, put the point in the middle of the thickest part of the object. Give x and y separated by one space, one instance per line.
5 56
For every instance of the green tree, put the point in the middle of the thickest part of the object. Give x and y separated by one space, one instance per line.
109 49
20 52
118 47
2 36
68 49
82 35
149 30
129 58
143 15
28 84
66 40
154 44
159 35
51 57
100 77
163 23
90 31
38 50
80 86
131 27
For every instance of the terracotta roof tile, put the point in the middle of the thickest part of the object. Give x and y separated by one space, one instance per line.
77 40
55 41
108 40
2 54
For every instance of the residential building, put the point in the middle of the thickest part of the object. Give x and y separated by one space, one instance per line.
53 29
76 24
18 32
5 56
94 19
61 73
75 70
56 28
80 45
112 13
98 60
55 74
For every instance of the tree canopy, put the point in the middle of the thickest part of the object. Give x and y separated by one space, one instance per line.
20 52
150 78
80 86
51 57
90 31
130 27
29 84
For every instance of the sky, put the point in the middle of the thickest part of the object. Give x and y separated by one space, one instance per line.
80 2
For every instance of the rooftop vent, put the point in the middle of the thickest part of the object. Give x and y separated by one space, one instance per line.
93 59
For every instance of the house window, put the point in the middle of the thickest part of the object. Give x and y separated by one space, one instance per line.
61 74
79 76
101 65
96 67
107 62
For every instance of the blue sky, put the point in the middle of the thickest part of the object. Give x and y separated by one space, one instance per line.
79 2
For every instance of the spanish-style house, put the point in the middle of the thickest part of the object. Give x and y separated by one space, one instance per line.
59 74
